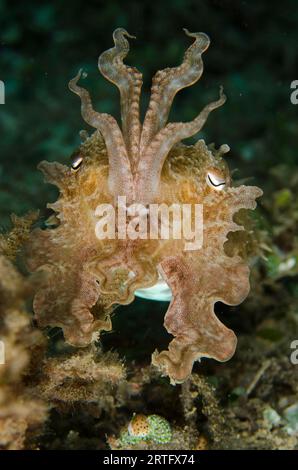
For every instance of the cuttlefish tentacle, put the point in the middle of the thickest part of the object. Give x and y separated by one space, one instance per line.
166 84
150 166
129 81
120 176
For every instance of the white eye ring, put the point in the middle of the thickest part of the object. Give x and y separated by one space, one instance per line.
215 182
76 163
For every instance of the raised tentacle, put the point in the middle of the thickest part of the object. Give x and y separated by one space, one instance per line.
129 82
120 176
166 83
151 163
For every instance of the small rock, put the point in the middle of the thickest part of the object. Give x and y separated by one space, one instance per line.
271 417
291 416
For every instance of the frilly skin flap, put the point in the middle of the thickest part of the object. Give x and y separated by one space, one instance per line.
82 277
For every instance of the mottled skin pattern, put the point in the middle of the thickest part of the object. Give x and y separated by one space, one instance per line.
82 277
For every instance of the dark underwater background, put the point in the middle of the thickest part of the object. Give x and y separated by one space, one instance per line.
253 54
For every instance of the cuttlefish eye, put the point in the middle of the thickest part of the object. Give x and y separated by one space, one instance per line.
76 162
52 221
215 180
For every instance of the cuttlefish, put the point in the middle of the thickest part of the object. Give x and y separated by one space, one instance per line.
83 276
